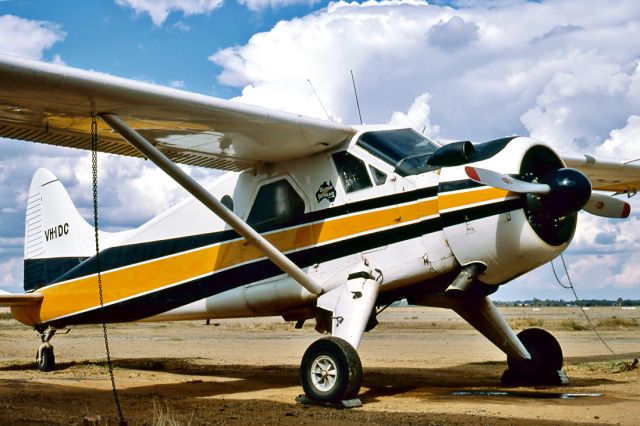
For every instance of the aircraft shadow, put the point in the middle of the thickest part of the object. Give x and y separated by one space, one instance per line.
219 380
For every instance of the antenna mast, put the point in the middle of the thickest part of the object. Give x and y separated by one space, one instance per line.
319 101
356 93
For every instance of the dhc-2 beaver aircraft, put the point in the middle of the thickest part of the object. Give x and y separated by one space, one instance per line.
314 219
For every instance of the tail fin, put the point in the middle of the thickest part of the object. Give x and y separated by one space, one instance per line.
57 238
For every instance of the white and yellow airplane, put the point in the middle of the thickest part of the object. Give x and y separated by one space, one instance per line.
314 219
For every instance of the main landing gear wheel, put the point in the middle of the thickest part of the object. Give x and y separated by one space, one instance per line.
45 359
546 360
331 371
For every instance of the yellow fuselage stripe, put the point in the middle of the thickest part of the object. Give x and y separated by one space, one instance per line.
81 294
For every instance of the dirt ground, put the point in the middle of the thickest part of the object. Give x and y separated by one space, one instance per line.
422 366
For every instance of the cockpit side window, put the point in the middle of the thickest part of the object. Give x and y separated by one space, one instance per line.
352 171
379 177
277 204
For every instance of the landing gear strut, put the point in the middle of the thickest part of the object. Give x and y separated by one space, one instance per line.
45 359
331 371
534 356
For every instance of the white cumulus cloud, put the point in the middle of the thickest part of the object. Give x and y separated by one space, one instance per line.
453 34
624 142
568 76
417 117
159 10
11 273
28 38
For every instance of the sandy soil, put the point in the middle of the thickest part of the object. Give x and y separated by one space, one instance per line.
417 362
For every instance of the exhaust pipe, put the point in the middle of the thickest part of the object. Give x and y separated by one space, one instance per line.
460 287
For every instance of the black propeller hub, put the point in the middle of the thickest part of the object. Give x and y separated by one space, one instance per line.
553 216
570 191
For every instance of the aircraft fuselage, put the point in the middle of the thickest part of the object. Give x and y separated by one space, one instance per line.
415 225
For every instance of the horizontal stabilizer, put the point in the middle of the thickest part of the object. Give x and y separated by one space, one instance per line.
20 299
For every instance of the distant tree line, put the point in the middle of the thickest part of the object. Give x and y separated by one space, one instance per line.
561 302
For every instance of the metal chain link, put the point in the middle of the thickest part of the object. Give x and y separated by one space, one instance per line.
94 175
553 267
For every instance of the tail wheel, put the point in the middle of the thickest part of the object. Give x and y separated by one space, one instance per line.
45 359
331 370
545 351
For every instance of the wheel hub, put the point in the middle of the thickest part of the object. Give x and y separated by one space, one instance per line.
324 373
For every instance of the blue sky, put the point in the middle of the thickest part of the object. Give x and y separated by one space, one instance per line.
105 36
564 71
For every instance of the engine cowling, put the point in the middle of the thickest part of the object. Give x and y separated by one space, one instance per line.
511 233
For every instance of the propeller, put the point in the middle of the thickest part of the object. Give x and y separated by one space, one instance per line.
560 193
607 206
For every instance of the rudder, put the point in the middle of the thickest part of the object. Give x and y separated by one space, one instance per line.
57 238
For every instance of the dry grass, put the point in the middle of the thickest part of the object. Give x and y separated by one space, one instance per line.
573 325
5 316
163 415
610 323
522 323
612 366
617 323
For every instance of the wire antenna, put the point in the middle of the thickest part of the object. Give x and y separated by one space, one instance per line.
319 101
353 80
578 303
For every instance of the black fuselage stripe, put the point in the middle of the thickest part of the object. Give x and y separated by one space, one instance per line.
122 256
117 257
173 297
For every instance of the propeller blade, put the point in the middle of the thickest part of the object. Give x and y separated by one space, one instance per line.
506 182
607 206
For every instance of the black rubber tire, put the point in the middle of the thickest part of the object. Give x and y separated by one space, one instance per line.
45 359
348 370
545 351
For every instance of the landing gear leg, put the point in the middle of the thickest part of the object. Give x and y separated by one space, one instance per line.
45 359
534 355
331 371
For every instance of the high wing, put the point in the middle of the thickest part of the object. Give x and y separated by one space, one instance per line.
606 174
53 104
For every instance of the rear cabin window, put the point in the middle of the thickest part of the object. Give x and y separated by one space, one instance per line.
352 171
277 205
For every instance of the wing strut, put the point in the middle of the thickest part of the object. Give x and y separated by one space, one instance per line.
195 189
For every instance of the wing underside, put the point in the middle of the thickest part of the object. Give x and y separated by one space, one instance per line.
607 174
53 104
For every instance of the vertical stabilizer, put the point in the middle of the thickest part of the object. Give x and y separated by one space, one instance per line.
57 238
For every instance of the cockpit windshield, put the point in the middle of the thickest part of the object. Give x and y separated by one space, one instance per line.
405 149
